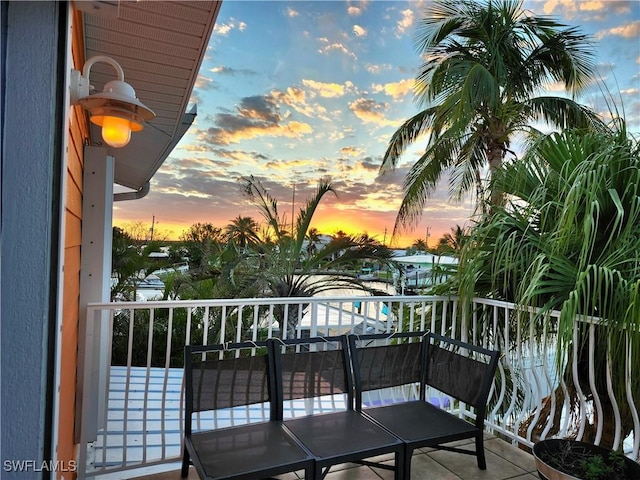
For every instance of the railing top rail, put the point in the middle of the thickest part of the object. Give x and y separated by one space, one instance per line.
266 301
220 302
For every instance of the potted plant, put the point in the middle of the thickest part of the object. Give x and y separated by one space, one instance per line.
563 459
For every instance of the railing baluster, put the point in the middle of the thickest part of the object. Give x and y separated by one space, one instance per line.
147 377
223 325
240 310
535 406
126 389
576 382
633 403
550 383
612 397
165 383
598 412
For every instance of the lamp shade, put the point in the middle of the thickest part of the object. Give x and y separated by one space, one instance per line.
116 109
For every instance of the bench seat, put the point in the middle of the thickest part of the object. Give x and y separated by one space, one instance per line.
247 451
421 423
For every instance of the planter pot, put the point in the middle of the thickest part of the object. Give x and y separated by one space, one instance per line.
559 459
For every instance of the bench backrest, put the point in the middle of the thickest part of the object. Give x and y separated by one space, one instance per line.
458 369
386 360
310 368
225 376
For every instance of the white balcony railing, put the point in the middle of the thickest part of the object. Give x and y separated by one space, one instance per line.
132 412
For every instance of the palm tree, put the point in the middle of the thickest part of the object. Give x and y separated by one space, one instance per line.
485 63
285 272
452 242
203 242
569 240
420 245
312 237
243 231
130 264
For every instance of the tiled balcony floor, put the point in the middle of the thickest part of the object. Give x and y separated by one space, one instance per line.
504 461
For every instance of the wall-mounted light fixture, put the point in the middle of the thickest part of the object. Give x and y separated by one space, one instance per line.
116 109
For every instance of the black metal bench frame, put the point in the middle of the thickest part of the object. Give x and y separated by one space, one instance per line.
463 371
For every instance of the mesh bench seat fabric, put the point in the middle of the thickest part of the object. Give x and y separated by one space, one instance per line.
315 374
420 361
227 384
251 451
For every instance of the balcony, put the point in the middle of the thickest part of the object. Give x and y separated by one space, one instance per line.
132 417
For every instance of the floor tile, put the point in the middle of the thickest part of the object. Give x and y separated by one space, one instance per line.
511 453
354 473
466 466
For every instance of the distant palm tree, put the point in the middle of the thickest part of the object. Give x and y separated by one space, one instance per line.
130 264
243 231
285 272
312 237
420 245
454 241
203 242
485 63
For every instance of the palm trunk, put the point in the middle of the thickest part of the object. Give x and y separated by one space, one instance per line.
495 154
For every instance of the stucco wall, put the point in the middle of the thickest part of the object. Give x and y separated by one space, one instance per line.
31 159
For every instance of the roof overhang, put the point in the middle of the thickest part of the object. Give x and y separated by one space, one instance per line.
160 46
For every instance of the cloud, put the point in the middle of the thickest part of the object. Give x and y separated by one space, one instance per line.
555 86
261 108
249 130
359 31
351 151
369 111
291 13
221 70
630 30
335 47
631 92
296 98
204 83
406 22
304 164
593 8
326 90
223 29
254 117
377 68
396 90
355 9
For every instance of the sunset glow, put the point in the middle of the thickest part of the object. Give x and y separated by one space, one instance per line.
290 92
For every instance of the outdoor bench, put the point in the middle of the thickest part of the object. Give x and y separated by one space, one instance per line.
303 401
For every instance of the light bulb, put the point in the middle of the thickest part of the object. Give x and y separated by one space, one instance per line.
116 131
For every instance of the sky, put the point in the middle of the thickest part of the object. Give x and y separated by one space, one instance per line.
293 91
